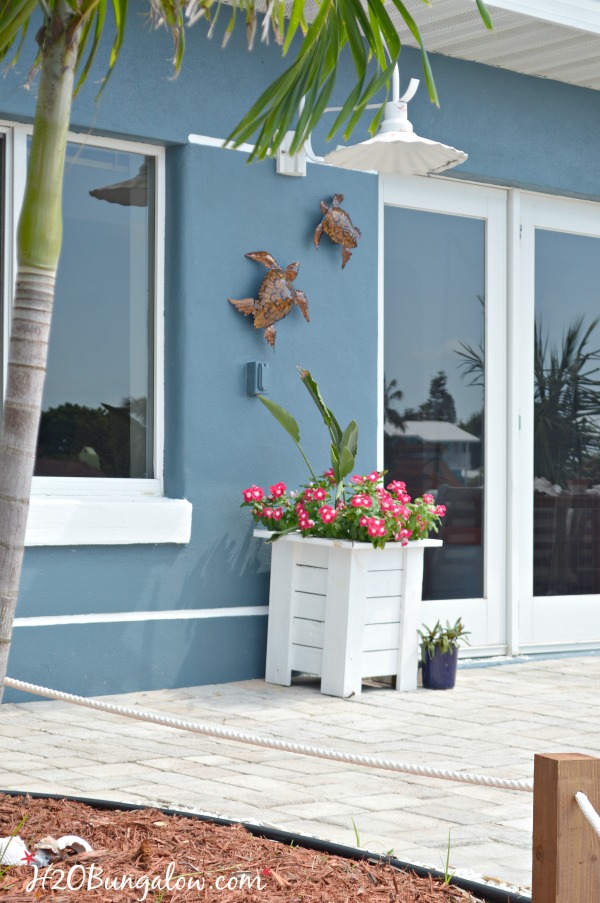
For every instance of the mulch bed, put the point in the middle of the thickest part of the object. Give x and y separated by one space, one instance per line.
147 855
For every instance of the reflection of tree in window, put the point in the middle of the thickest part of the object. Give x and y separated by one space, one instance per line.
79 441
567 406
440 404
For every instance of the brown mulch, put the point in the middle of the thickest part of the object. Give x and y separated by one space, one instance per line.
147 855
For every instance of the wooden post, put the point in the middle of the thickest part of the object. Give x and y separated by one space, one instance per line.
566 849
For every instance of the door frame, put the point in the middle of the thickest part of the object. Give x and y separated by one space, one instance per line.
486 618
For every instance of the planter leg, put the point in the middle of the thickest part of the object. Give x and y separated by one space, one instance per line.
344 625
408 640
281 615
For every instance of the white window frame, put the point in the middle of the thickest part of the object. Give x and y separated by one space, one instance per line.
112 511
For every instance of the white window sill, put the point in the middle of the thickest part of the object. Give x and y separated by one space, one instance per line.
115 521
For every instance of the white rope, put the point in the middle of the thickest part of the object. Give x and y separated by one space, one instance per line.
272 742
589 811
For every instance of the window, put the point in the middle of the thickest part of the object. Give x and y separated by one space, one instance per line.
97 411
100 440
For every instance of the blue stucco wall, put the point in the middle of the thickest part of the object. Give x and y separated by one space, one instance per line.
218 440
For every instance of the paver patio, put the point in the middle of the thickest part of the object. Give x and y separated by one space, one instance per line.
491 723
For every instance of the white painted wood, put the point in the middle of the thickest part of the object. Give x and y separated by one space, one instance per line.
119 617
281 612
344 623
308 632
408 638
311 579
306 659
385 610
96 521
309 605
359 626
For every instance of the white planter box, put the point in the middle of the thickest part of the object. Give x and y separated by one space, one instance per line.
344 611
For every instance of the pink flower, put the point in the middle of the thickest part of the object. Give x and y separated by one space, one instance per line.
253 494
360 500
397 486
364 521
356 478
329 474
374 476
277 490
428 498
319 494
440 510
376 527
308 495
327 514
277 513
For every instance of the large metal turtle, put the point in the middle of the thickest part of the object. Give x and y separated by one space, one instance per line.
276 296
337 224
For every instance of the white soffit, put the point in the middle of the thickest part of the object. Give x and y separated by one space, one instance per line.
556 39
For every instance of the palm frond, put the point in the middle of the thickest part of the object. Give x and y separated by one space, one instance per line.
15 16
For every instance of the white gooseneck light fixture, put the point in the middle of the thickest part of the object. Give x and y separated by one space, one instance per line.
394 149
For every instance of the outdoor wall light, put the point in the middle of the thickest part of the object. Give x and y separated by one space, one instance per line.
394 149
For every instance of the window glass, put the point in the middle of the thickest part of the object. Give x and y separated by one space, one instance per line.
434 383
97 410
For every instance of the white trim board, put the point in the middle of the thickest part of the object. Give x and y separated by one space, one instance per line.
115 617
69 521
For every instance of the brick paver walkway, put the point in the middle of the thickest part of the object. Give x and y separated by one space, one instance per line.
492 722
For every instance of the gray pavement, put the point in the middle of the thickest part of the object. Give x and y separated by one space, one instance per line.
491 723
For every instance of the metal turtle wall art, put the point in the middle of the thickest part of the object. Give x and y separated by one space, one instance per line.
276 296
336 223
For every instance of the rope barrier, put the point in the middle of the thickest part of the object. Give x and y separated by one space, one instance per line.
272 742
589 811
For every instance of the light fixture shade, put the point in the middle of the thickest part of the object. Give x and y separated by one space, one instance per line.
130 193
399 152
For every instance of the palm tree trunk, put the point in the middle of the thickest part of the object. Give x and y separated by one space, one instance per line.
38 247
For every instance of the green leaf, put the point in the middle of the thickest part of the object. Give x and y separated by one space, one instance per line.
484 13
14 18
346 462
330 421
283 417
350 437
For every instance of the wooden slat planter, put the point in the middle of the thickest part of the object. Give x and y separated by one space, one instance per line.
344 611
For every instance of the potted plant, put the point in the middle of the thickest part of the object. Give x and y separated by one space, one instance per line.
347 567
439 654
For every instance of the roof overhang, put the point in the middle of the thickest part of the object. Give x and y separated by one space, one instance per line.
557 39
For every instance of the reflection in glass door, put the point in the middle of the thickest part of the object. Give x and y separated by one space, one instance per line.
434 383
566 509
443 389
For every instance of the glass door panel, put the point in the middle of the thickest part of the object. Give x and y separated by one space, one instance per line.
559 320
566 496
444 386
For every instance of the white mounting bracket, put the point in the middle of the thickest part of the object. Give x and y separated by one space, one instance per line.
290 164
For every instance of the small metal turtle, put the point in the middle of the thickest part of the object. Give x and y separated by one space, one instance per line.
276 296
337 224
